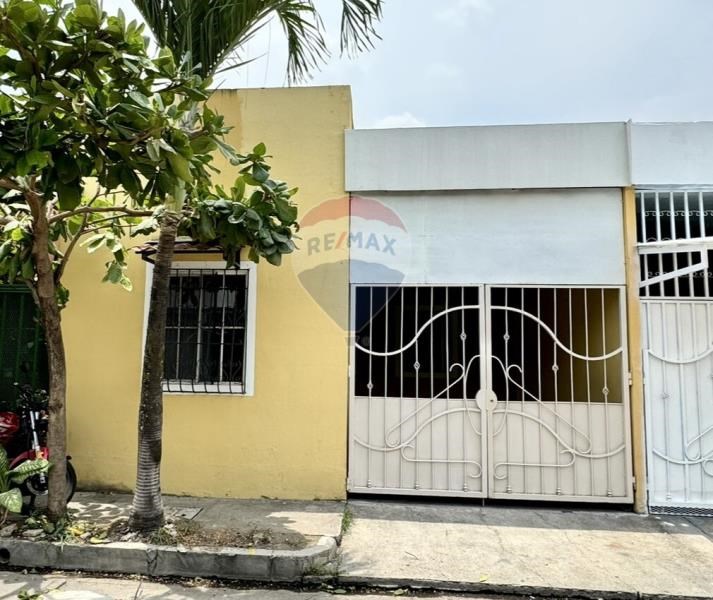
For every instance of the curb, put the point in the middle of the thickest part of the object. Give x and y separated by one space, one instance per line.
279 566
496 589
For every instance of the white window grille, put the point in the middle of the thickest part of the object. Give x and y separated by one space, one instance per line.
675 240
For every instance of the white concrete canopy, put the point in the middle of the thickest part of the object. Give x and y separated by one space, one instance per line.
671 154
492 157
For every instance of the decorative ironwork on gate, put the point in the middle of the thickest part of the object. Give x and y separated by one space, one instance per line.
675 236
512 392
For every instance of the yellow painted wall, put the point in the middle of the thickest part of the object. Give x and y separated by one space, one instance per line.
289 439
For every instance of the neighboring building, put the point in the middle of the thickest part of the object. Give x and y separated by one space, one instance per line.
463 318
282 431
672 167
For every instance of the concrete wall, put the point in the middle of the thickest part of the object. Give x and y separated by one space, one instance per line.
671 154
502 157
289 439
545 237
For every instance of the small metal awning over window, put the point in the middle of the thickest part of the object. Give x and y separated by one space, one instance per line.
148 250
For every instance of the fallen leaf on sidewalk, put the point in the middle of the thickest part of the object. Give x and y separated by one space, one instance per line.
483 578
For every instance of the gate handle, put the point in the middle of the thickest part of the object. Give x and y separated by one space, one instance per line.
486 399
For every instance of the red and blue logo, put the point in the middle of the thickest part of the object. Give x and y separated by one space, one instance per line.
355 237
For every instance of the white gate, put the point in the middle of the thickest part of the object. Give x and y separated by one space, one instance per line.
675 245
498 391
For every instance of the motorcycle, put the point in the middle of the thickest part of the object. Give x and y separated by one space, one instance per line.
23 434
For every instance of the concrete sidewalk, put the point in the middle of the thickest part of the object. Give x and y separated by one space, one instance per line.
299 521
528 550
439 545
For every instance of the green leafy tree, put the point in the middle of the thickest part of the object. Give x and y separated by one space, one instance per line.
209 34
96 139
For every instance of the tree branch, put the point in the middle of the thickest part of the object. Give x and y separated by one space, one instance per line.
100 209
59 271
9 184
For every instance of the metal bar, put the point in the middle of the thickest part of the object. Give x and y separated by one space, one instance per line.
465 390
687 233
555 373
370 387
221 353
605 391
571 379
430 405
658 238
702 266
643 238
522 392
446 306
702 218
589 388
178 328
401 375
387 301
485 350
418 396
682 402
664 399
539 393
672 221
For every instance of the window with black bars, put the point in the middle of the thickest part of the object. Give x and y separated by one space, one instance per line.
206 330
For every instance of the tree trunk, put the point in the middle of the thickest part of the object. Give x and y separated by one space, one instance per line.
51 322
147 510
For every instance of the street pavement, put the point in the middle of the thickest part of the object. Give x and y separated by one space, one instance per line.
75 587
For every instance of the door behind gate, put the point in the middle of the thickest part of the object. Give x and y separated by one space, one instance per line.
505 392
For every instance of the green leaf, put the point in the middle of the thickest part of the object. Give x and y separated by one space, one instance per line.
260 149
260 174
70 194
153 150
11 500
146 227
115 273
28 270
24 12
180 167
140 99
28 469
95 242
88 16
67 168
203 145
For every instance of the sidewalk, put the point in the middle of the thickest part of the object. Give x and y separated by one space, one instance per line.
441 546
528 550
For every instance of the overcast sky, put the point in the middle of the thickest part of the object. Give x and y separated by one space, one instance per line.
469 62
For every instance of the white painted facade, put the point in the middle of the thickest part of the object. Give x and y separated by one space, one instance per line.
534 206
671 154
487 158
524 237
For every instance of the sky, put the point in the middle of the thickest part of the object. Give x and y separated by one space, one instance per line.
484 62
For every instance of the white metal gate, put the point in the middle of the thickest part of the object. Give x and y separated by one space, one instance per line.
498 391
675 245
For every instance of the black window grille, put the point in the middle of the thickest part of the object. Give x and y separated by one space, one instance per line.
23 355
206 329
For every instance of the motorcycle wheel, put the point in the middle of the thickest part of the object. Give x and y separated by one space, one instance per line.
34 486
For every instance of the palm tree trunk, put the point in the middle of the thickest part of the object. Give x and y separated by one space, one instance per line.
147 511
51 322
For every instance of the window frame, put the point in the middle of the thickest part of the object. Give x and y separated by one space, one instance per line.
247 388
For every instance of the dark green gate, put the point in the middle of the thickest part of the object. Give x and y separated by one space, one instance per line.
23 358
